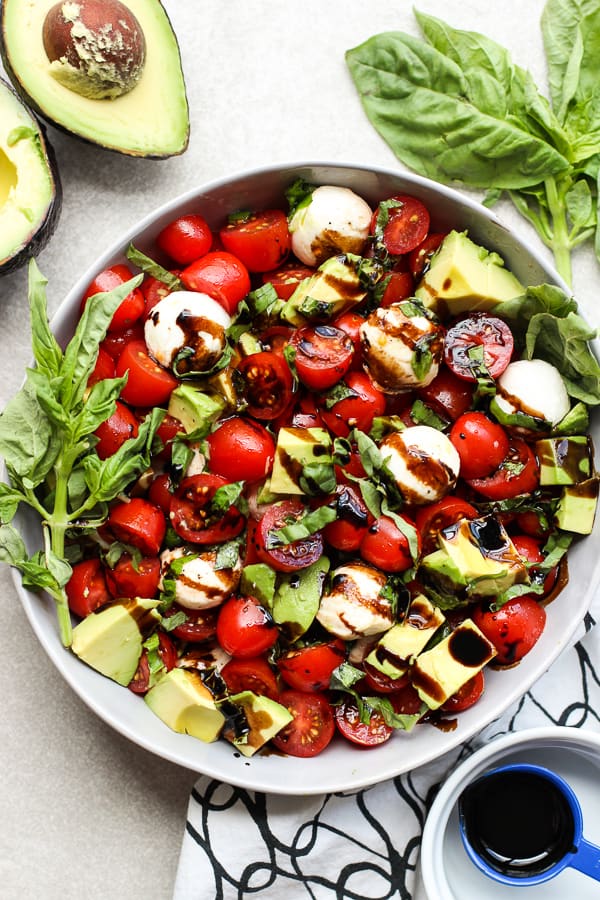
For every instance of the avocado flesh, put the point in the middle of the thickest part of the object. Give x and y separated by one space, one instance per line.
151 120
565 460
395 650
576 508
297 447
186 705
30 191
334 288
464 277
194 409
264 718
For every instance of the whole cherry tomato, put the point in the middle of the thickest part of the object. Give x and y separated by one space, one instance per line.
240 449
186 238
131 307
260 240
245 628
481 444
220 275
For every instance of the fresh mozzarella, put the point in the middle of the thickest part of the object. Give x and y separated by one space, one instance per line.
198 584
395 346
422 461
355 607
336 220
190 321
534 387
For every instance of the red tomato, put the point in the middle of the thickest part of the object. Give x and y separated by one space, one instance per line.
192 514
310 667
323 355
380 682
245 628
139 523
186 238
350 322
400 285
386 547
365 734
268 384
250 674
166 432
418 259
86 589
104 368
276 338
132 306
306 414
286 557
529 522
148 384
115 341
353 467
220 275
517 474
160 492
359 409
447 395
478 331
167 652
200 624
530 548
434 517
117 429
465 696
134 579
513 629
311 728
481 444
407 225
406 700
154 291
286 278
241 450
346 533
262 241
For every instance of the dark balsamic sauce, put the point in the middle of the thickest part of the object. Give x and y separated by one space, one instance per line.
519 823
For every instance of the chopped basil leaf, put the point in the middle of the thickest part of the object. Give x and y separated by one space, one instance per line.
227 555
264 301
225 497
424 415
338 392
152 268
299 195
308 524
239 217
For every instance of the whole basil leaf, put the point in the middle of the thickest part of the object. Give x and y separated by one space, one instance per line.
28 443
47 353
564 342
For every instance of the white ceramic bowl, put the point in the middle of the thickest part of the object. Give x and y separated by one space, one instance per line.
447 871
341 766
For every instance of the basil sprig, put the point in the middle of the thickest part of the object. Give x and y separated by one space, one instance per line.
483 121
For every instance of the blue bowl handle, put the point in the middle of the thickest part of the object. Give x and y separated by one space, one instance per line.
586 859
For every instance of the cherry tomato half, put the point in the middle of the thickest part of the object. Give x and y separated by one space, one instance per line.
148 383
186 238
513 629
286 278
418 259
311 728
473 335
481 444
131 307
434 517
517 474
240 449
118 428
139 523
261 240
323 355
365 734
386 547
134 578
167 653
399 286
193 516
357 410
530 548
285 557
200 624
466 696
407 225
104 368
86 589
347 532
268 384
245 628
310 667
252 673
220 275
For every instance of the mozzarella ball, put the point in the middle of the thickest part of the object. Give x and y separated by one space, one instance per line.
336 220
423 463
198 584
534 387
355 607
396 348
190 321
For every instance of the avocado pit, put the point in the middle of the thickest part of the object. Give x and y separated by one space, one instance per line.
96 49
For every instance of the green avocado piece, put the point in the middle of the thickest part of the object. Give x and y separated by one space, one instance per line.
110 640
195 409
441 671
476 558
150 120
565 460
184 703
465 277
576 508
30 189
298 447
395 650
334 288
297 598
264 718
258 580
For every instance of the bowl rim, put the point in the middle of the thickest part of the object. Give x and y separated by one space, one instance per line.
249 777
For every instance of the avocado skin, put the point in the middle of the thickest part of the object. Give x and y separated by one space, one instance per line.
41 231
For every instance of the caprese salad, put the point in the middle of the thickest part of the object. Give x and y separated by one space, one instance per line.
337 462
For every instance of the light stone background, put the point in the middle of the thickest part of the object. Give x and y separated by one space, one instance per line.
84 814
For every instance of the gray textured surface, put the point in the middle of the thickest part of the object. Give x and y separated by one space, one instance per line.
84 813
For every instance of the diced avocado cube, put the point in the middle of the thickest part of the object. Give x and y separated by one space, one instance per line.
110 640
194 408
264 718
297 448
249 344
476 558
334 288
185 704
465 277
564 460
395 650
576 508
438 673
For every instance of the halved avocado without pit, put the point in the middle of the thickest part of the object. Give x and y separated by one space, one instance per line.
30 190
149 120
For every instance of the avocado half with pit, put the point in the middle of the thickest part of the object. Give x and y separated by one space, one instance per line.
30 190
57 55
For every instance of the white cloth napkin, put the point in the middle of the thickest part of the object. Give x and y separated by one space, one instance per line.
365 844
